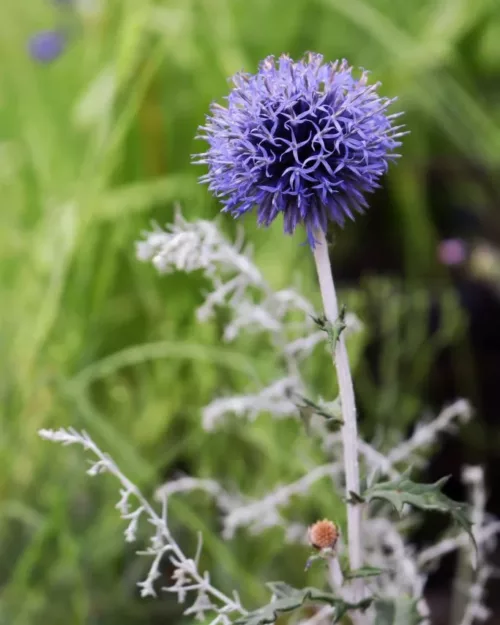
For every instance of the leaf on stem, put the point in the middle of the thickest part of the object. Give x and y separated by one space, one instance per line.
307 408
333 330
355 498
422 496
289 599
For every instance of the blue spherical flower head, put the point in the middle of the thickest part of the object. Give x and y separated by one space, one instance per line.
47 45
304 139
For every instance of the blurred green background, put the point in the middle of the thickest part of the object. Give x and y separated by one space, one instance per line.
95 145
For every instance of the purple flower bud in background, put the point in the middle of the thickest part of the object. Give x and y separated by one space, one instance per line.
47 45
303 139
452 252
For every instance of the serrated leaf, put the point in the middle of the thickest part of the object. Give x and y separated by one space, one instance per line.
321 322
307 408
355 498
291 599
337 328
308 403
364 571
423 496
397 611
333 330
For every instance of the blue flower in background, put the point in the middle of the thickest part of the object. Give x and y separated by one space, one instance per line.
303 139
47 45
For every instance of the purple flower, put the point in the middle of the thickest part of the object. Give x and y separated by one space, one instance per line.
47 45
304 139
452 252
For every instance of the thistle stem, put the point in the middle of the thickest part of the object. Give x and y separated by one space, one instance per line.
349 429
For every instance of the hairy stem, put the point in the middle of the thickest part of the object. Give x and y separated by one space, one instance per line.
349 430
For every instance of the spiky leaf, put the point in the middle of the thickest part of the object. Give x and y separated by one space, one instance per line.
333 330
423 496
307 408
291 599
355 498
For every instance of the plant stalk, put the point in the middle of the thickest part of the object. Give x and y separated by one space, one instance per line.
349 430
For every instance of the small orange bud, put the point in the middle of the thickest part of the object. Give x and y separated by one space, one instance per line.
323 535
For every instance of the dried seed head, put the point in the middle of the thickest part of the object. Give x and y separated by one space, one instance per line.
323 535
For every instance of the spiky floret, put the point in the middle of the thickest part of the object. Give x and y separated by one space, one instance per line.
47 45
303 139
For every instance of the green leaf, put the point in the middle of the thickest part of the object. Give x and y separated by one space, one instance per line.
291 598
355 498
423 496
397 611
364 571
307 408
333 330
308 403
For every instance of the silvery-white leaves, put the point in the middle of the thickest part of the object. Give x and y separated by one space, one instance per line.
305 345
201 605
236 282
97 468
473 476
476 609
190 246
475 593
284 316
272 399
296 533
147 586
412 450
428 430
181 579
429 558
386 550
66 437
264 513
163 544
251 318
131 531
187 484
221 619
123 505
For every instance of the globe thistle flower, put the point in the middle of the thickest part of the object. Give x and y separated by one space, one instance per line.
303 139
47 45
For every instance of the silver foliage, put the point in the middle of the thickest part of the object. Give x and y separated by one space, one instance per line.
239 287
